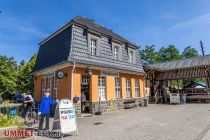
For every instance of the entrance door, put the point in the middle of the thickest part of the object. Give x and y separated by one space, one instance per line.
85 96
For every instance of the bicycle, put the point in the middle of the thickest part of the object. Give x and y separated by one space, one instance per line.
31 116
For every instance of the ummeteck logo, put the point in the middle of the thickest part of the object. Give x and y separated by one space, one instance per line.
18 133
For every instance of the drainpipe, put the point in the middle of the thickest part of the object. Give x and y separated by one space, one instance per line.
72 79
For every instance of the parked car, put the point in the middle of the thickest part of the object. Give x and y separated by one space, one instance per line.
18 98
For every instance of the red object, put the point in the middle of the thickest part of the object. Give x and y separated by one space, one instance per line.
155 88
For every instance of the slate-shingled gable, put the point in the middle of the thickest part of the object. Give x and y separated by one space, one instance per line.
70 44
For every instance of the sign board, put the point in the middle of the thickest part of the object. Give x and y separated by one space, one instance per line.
49 74
109 73
65 117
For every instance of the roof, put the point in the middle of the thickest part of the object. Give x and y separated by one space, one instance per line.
90 24
183 63
69 44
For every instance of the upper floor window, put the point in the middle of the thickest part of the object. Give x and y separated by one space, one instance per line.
93 45
116 53
131 57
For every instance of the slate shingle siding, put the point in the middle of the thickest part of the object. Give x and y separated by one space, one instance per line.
79 53
71 44
54 51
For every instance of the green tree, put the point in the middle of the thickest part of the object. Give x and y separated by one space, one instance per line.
189 52
169 53
24 81
8 76
149 55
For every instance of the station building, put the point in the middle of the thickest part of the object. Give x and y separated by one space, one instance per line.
85 56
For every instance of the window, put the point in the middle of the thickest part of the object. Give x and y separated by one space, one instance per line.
117 88
137 93
131 57
49 84
128 88
85 80
101 88
43 83
93 45
55 89
116 53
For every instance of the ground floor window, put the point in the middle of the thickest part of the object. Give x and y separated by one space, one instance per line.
55 89
117 88
49 83
137 91
102 88
128 88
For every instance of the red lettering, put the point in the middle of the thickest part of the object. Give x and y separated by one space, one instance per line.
6 132
20 133
13 133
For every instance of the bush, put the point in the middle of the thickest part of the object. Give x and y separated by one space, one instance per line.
9 120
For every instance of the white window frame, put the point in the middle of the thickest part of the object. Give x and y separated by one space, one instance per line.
93 46
137 88
118 88
85 80
55 89
116 52
131 56
128 88
43 86
102 88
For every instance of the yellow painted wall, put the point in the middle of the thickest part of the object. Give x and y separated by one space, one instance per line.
76 85
64 85
110 88
94 88
133 88
142 89
37 88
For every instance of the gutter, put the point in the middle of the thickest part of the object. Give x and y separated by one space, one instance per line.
72 79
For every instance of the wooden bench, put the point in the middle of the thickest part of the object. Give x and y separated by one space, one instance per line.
129 103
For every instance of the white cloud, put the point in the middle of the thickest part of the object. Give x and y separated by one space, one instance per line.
18 29
200 20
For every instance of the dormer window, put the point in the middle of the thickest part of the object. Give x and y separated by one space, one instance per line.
116 53
93 45
131 57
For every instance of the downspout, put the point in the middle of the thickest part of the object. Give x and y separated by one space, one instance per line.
72 79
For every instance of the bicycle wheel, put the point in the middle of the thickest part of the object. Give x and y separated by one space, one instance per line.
29 119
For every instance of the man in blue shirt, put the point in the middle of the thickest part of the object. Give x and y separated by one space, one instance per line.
44 110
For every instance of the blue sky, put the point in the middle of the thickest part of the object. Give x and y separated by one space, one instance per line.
24 23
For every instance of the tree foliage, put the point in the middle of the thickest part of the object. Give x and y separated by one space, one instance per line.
149 55
189 52
24 81
169 53
14 78
8 76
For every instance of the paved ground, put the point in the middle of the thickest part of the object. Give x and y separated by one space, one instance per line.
155 122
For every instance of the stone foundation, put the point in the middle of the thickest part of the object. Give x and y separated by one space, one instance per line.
77 108
113 105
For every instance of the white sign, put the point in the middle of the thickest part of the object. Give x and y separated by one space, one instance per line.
67 116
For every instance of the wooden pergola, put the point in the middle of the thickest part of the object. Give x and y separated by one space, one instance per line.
190 68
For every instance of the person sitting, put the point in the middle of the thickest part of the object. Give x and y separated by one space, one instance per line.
28 101
44 109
